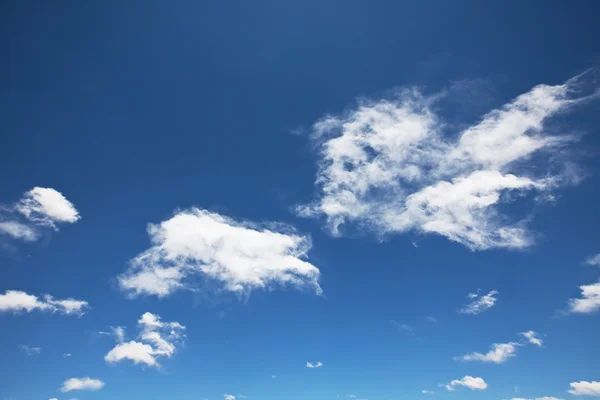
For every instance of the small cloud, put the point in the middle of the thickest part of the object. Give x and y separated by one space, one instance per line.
228 397
319 364
593 260
17 301
589 301
468 382
585 388
65 355
273 376
532 337
30 351
427 392
81 384
479 303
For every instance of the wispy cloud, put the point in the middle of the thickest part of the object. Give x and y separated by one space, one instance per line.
240 256
479 303
17 301
30 351
593 260
502 352
388 166
318 364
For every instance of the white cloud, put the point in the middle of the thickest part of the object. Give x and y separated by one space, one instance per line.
81 384
427 392
469 382
593 260
388 166
499 353
319 364
228 397
30 351
479 303
18 230
158 339
46 207
18 301
66 355
585 388
532 337
241 256
589 301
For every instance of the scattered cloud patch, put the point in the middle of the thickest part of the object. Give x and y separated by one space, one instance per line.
390 167
318 364
228 397
593 260
502 352
30 351
479 303
17 301
468 382
81 384
157 340
533 338
66 355
17 230
427 392
585 388
241 256
589 301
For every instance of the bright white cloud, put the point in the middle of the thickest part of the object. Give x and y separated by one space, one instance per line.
47 207
499 353
388 166
228 397
81 384
479 303
589 301
585 388
18 301
241 256
469 382
533 338
158 339
318 364
427 392
18 230
30 351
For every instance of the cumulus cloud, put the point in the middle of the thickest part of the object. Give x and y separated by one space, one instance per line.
585 388
81 384
157 340
389 166
228 397
479 303
30 351
17 301
593 260
502 352
47 207
467 381
240 256
589 301
318 364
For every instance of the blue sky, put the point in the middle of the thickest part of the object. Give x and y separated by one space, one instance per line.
299 200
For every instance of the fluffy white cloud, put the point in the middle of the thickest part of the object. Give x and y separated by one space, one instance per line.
589 301
469 382
30 351
499 353
81 384
585 388
157 339
479 303
228 397
18 230
593 260
427 392
18 301
46 207
241 256
389 167
318 364
533 338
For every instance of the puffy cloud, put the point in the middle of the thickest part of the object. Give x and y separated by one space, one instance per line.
228 397
532 337
589 301
18 301
30 351
46 207
585 388
427 392
469 382
593 260
479 303
241 256
499 353
157 339
18 230
81 384
388 166
318 364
